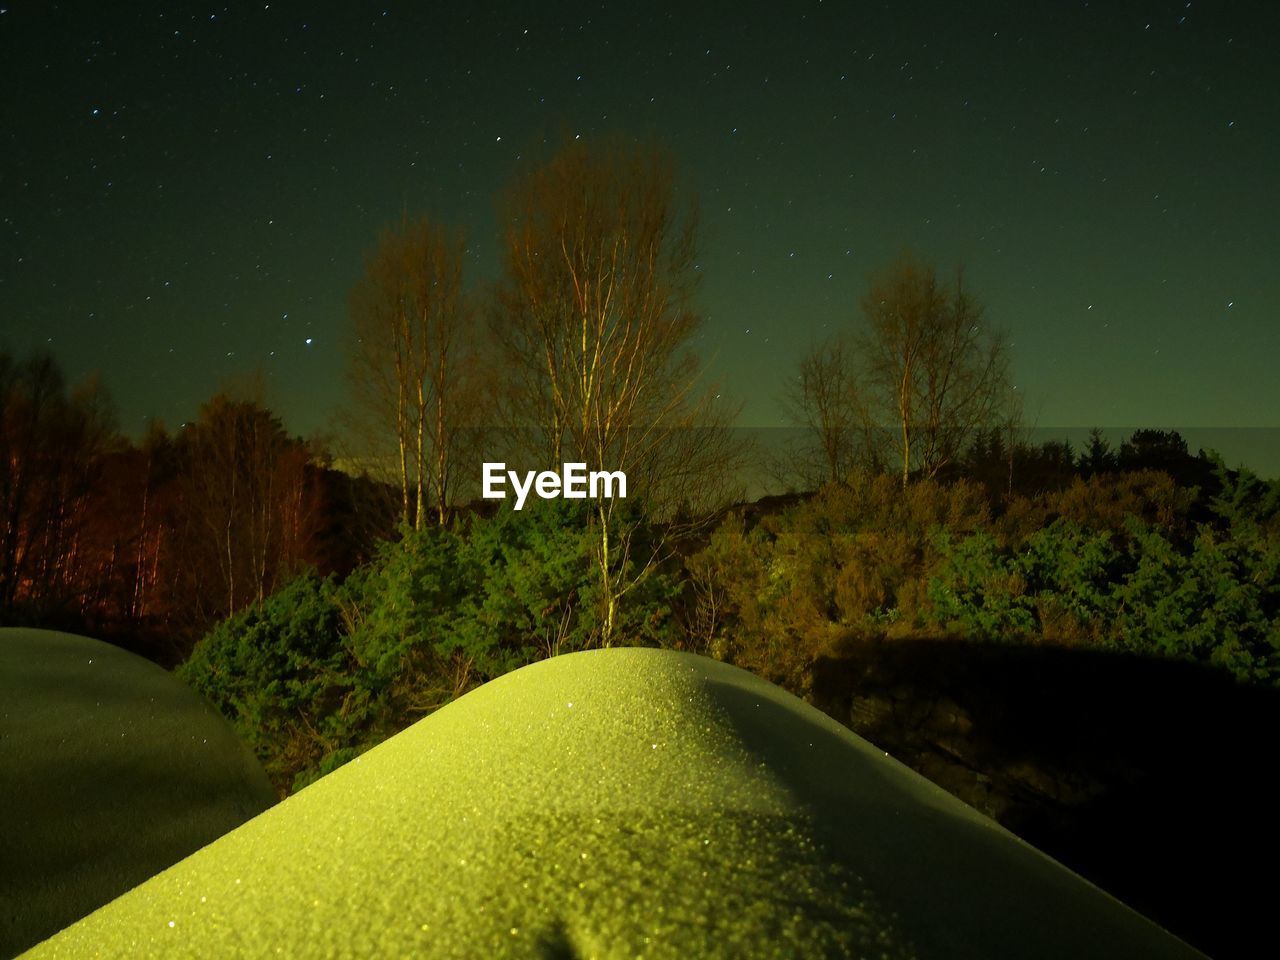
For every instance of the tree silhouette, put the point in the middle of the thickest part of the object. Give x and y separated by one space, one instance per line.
53 443
917 383
413 365
595 313
249 505
939 372
827 397
1098 457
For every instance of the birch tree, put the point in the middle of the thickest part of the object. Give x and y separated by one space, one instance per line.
597 316
250 504
413 364
826 395
939 371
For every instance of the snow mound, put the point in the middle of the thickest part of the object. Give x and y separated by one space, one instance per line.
619 803
110 771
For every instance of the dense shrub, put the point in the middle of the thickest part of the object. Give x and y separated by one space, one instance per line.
320 671
1056 587
980 591
1104 503
1115 561
280 674
1219 603
1214 600
848 561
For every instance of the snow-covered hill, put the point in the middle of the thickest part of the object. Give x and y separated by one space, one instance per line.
619 803
110 771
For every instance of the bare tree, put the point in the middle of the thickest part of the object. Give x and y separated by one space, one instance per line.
596 316
250 504
412 360
53 443
939 371
827 396
150 540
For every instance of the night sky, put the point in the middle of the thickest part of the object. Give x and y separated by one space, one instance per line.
186 192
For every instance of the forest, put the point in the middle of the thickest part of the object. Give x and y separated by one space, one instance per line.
326 594
324 597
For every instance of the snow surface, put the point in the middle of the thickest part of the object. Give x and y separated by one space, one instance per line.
110 770
619 803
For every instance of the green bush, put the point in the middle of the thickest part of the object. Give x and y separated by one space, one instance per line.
280 674
1214 600
1219 603
851 560
980 591
320 671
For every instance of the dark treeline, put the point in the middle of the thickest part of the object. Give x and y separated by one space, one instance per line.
151 542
